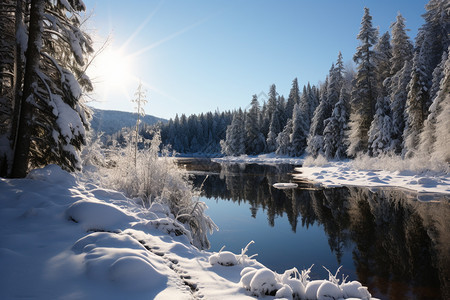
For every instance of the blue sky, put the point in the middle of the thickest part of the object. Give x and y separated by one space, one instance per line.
199 56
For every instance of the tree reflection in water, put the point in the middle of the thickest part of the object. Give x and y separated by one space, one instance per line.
400 246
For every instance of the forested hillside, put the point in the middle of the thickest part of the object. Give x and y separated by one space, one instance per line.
112 121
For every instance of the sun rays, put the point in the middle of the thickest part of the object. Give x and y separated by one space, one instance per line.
116 69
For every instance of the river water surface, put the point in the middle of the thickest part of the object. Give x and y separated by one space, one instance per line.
392 243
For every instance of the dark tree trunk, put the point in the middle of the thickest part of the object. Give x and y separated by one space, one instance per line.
23 139
18 75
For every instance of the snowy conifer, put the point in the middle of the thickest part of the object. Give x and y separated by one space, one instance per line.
255 142
53 118
275 125
234 144
299 131
364 92
380 132
334 139
283 139
294 98
441 106
401 45
430 134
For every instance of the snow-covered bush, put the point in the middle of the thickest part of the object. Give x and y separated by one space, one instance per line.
227 258
155 178
293 284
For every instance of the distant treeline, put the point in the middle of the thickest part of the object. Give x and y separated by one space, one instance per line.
395 102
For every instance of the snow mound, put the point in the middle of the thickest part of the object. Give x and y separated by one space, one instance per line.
285 185
329 291
52 174
312 287
135 274
264 282
95 215
122 260
224 258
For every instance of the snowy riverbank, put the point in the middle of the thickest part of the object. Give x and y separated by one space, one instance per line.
64 237
371 172
267 159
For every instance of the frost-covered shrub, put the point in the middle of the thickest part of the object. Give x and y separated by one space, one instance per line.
155 178
319 161
293 284
224 258
227 258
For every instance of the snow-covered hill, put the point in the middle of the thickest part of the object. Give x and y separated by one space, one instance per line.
112 121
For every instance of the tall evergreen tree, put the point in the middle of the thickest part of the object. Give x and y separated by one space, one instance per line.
283 140
432 40
334 138
400 75
299 131
51 116
315 138
274 115
364 92
294 98
380 132
441 107
429 136
255 142
401 45
234 144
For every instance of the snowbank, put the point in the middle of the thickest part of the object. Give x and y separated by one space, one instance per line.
63 237
344 173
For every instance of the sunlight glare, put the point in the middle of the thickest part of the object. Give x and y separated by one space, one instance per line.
114 69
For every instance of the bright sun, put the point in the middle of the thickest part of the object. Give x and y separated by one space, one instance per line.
114 69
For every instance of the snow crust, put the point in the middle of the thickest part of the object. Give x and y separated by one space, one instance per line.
63 237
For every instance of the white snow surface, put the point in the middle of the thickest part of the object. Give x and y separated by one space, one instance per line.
63 237
343 173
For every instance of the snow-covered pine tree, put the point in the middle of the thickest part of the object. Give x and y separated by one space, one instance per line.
432 40
283 139
53 118
400 75
315 138
364 91
334 133
274 111
299 131
234 144
294 98
382 60
428 136
380 132
400 44
254 141
441 106
313 100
